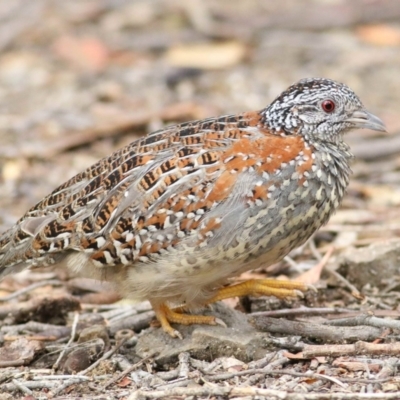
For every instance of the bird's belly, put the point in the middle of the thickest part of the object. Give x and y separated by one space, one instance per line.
190 274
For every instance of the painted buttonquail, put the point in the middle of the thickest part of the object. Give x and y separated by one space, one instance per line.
172 216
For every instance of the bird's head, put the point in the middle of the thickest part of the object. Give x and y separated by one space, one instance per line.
321 109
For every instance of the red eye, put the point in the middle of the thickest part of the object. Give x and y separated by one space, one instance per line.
328 106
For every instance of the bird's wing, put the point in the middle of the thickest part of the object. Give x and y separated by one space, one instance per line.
176 176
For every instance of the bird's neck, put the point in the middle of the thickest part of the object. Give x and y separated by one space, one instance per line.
334 159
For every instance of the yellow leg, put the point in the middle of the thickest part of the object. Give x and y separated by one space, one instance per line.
255 287
166 316
261 287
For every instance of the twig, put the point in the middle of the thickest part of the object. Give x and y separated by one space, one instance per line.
22 387
234 391
33 286
123 315
32 326
60 377
48 332
287 312
168 375
183 365
11 387
325 377
125 372
354 291
330 379
105 356
69 382
135 322
291 262
314 330
379 303
71 339
102 308
338 350
314 250
266 360
265 371
366 320
175 383
348 312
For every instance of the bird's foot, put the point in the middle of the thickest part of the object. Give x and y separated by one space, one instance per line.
254 287
166 316
262 287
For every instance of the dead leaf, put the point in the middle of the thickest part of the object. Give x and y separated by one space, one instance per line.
311 276
124 382
19 352
310 381
379 35
83 53
207 55
291 356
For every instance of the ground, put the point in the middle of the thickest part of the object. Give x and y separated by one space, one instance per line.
79 79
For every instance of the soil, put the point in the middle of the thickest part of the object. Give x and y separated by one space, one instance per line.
80 79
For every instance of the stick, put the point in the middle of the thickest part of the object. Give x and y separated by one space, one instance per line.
317 331
311 351
71 339
270 394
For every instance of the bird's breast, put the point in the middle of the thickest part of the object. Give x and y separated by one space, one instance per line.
283 208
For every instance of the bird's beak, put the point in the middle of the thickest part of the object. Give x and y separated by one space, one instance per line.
363 119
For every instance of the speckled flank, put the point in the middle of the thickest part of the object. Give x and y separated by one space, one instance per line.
175 214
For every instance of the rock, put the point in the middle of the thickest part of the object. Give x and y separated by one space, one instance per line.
20 352
239 339
76 361
231 364
81 358
95 332
374 265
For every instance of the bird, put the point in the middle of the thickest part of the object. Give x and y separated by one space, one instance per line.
175 215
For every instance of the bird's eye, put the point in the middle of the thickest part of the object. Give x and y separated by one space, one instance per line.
328 106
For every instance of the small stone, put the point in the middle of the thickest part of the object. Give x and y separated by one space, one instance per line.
232 364
83 357
95 332
20 352
77 361
239 340
374 265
